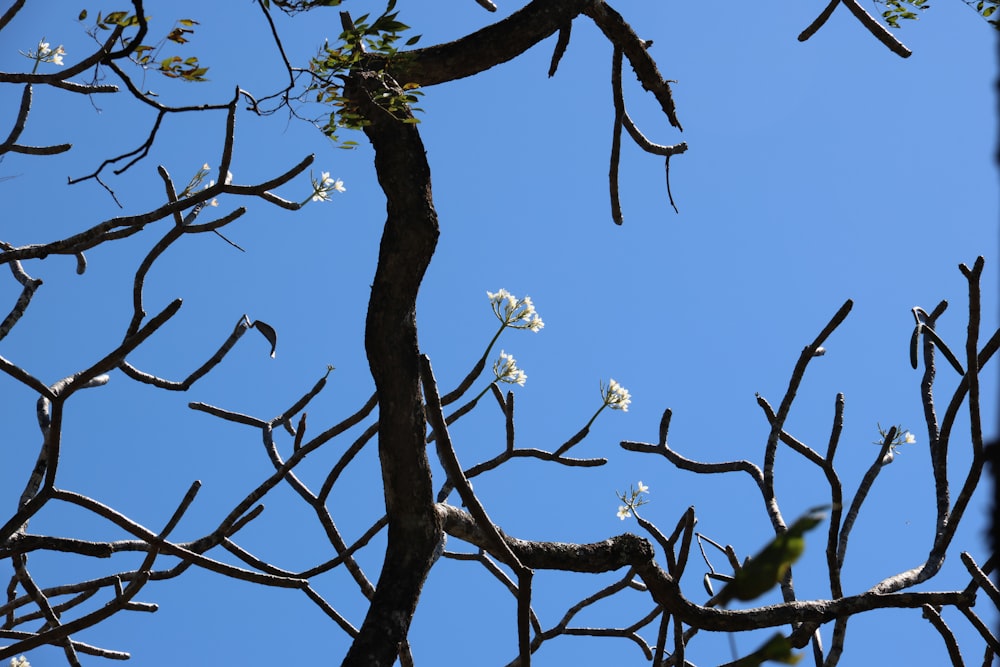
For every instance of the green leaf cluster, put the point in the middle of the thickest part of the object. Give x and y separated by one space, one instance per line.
897 10
187 69
354 46
987 9
174 67
110 21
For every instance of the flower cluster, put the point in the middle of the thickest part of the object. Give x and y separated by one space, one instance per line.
633 499
22 661
513 312
229 179
324 185
505 369
44 54
615 396
199 178
902 437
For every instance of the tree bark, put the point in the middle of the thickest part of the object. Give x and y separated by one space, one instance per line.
408 242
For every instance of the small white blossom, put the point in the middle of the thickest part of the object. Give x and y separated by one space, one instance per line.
616 396
515 313
632 499
902 437
496 298
197 181
323 186
43 54
229 179
214 202
19 662
505 369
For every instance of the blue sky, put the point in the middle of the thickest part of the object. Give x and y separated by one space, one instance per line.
816 172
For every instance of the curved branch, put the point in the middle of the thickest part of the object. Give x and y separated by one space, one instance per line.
636 50
486 48
819 21
408 242
631 550
867 20
877 29
10 145
11 12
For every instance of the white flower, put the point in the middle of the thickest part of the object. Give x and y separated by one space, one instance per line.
43 54
204 170
632 499
513 312
505 369
19 662
325 185
214 202
616 396
902 437
497 297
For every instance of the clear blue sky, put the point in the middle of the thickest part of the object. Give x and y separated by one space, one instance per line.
816 172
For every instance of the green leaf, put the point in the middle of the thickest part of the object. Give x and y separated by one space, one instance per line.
177 35
82 16
777 648
766 570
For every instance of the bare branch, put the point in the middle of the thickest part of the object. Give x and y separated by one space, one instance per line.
932 615
866 19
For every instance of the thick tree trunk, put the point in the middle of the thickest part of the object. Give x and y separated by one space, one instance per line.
408 242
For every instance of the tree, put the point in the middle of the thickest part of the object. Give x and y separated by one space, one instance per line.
368 77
